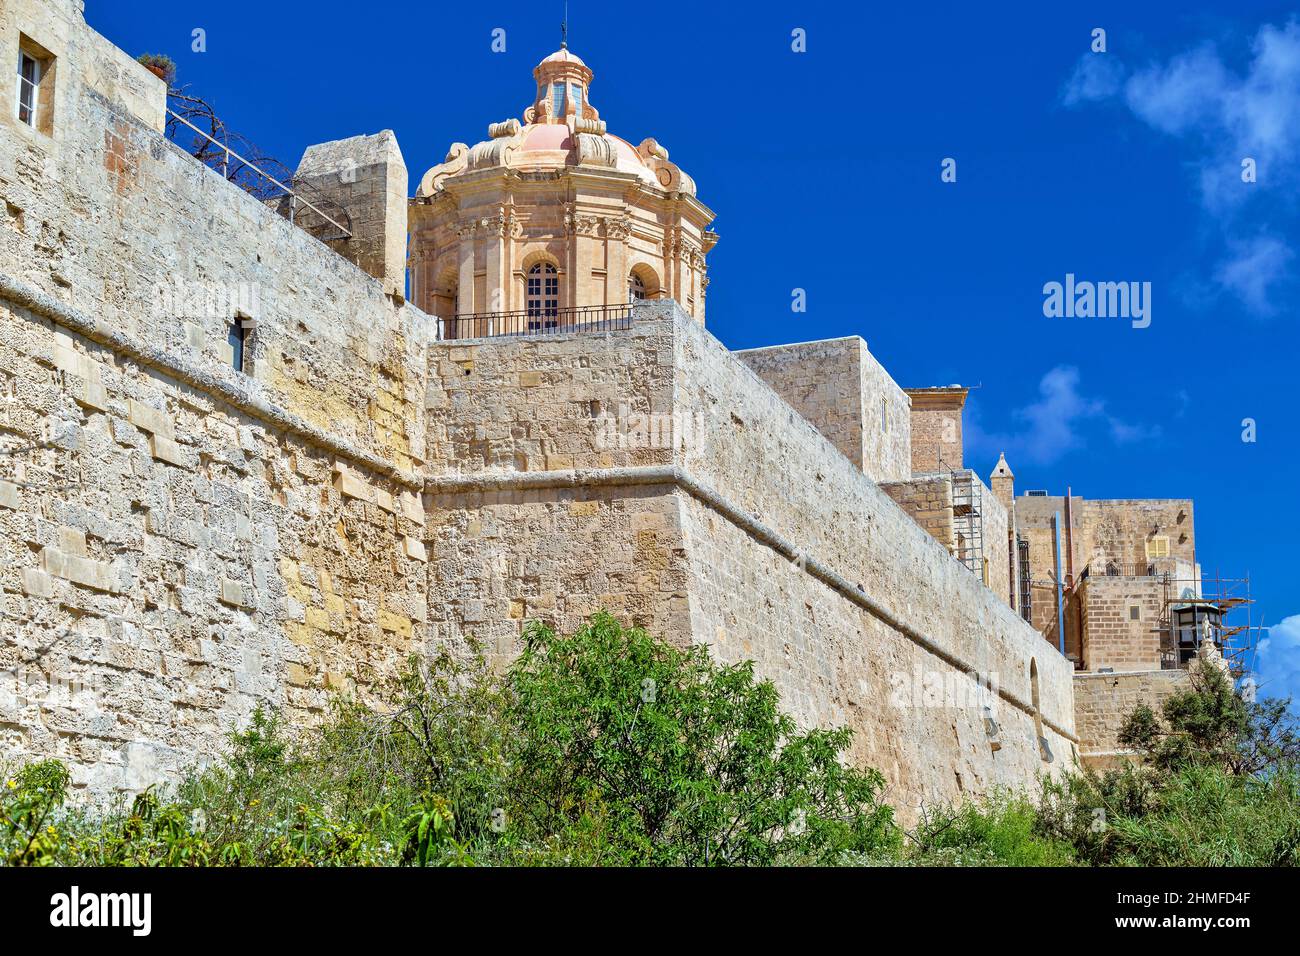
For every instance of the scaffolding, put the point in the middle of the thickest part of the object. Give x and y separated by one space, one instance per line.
1195 609
968 519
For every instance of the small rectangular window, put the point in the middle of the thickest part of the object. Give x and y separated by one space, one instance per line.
557 99
1158 547
29 82
577 101
1135 612
884 415
235 338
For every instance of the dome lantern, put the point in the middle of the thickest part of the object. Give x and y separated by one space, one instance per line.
555 213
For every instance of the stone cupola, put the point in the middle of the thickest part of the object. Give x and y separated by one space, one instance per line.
553 211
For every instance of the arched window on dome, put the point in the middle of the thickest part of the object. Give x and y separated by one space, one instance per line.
543 297
557 100
636 291
577 101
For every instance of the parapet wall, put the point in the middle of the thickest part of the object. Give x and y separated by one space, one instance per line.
839 388
1104 701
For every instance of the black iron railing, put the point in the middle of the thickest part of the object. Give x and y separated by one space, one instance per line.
1116 569
530 322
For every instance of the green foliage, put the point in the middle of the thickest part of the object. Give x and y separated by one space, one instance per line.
1216 785
607 747
1210 724
644 753
1001 830
604 747
28 836
427 827
161 62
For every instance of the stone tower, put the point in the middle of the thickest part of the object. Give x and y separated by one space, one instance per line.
1003 483
554 213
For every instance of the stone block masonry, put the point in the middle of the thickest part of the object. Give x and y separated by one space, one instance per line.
1104 701
1122 622
183 540
746 530
186 536
366 177
840 388
928 499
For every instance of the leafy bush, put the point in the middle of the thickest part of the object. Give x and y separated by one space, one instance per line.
604 747
607 747
646 754
161 64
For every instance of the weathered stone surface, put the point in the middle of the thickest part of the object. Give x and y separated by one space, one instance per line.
840 389
1103 701
663 405
200 539
175 544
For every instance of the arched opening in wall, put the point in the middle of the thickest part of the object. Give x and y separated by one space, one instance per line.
642 284
445 300
1044 751
542 296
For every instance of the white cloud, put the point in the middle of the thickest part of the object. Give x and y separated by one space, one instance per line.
1227 117
1052 425
1253 269
1053 418
1097 76
1124 433
1277 660
1187 94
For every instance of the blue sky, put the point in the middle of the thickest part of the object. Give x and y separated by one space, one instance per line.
824 170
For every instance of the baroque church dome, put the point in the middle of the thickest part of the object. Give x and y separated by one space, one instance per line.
554 190
560 128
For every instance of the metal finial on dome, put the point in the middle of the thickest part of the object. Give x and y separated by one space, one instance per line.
564 28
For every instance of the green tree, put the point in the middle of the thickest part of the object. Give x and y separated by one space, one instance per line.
651 754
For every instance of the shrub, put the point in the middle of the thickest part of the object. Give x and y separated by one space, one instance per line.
164 67
604 747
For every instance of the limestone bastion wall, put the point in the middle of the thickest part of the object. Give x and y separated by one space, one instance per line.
180 541
183 540
836 657
515 534
840 388
651 472
1104 701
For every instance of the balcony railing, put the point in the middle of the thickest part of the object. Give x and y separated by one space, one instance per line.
1116 569
533 322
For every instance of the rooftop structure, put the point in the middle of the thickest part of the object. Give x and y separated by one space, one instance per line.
553 214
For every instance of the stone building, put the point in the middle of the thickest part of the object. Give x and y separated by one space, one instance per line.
553 213
242 469
1127 605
